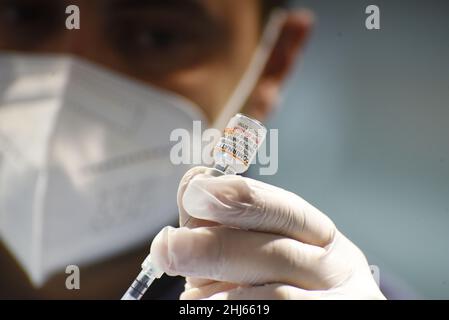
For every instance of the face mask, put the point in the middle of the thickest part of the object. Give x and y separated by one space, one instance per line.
84 157
84 161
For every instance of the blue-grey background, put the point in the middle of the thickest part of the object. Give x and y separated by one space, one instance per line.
364 135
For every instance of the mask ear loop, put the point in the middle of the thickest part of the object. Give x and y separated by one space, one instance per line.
252 74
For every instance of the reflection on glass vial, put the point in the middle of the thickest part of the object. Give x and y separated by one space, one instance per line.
237 148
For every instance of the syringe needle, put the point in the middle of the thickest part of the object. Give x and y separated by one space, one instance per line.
145 278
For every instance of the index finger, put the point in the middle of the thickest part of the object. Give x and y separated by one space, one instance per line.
253 205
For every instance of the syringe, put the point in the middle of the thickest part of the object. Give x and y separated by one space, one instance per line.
232 155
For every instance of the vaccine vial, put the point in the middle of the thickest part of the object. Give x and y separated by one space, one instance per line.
238 146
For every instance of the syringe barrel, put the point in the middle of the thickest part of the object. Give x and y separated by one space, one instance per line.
139 286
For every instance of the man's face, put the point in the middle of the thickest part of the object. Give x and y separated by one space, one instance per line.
197 48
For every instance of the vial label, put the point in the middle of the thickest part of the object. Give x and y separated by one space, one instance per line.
240 142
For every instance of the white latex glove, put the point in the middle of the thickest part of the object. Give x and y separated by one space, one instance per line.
251 240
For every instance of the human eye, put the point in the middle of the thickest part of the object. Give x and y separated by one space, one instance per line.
159 42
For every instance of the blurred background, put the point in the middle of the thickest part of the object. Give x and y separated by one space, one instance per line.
365 135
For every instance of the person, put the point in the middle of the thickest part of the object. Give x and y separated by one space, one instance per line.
258 241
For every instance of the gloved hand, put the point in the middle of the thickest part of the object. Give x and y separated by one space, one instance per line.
251 240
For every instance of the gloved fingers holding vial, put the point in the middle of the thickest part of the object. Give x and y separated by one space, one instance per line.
257 234
246 239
